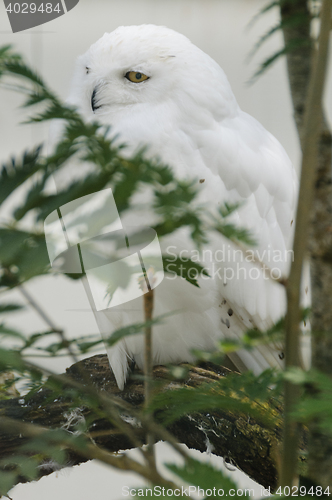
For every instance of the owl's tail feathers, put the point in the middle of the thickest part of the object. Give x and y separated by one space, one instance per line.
119 362
256 360
269 356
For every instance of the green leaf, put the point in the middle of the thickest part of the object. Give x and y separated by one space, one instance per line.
47 447
235 234
316 402
6 308
23 254
184 267
26 467
85 345
34 197
184 401
54 110
263 39
31 340
7 481
289 47
256 337
45 204
263 11
11 360
16 172
292 21
8 332
20 69
212 481
228 208
7 55
52 442
246 394
135 329
230 231
5 52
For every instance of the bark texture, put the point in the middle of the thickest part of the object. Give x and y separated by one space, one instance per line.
240 440
320 231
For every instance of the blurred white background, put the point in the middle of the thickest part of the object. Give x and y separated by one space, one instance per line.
220 28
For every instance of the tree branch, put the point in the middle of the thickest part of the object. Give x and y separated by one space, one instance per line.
240 440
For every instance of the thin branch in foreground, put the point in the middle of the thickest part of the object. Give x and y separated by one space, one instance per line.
310 139
88 450
27 295
34 304
148 370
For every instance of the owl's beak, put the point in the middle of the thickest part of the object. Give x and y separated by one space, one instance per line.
94 100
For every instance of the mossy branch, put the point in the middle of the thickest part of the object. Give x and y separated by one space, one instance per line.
242 441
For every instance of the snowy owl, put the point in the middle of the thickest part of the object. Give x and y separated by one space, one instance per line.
155 88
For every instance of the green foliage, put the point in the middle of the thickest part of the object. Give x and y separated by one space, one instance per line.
246 394
249 340
45 451
213 482
293 21
184 267
267 63
16 172
11 360
8 479
230 231
23 255
7 56
316 403
25 467
6 308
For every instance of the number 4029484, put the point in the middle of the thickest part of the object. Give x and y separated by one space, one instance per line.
32 8
295 491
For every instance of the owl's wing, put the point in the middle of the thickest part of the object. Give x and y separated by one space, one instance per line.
245 164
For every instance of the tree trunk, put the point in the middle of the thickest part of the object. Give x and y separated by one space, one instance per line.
320 237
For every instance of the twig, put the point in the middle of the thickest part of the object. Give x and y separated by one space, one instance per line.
48 321
148 308
38 309
148 368
89 450
311 132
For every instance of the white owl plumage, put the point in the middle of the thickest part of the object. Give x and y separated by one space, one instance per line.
187 115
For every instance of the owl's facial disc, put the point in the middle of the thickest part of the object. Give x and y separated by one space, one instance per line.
94 99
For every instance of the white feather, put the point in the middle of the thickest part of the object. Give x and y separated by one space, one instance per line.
188 116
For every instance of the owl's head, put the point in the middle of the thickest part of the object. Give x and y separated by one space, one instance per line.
135 67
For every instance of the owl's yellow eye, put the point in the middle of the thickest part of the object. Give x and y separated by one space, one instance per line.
136 76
